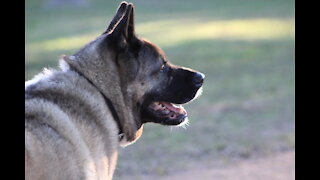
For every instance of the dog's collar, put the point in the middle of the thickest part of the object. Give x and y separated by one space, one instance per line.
114 114
108 102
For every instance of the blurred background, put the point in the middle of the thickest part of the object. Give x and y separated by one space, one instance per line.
243 125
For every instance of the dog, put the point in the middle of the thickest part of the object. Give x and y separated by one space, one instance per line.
77 116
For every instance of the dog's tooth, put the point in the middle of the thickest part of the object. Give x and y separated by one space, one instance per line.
157 108
157 105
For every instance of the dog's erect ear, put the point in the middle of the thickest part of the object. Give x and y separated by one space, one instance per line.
123 31
131 32
120 12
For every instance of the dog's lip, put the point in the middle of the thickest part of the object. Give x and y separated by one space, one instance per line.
170 106
167 110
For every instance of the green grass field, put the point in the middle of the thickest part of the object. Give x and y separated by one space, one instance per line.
245 48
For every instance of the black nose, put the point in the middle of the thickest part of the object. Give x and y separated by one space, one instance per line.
197 79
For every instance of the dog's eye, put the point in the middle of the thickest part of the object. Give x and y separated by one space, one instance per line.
162 67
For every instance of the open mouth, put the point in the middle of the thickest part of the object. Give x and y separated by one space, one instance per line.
168 113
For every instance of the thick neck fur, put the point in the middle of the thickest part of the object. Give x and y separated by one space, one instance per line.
101 69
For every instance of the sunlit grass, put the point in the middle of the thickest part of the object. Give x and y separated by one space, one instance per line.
172 32
66 43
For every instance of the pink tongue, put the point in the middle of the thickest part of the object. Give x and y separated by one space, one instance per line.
172 108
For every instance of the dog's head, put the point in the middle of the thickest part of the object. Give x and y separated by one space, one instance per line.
157 87
169 86
137 76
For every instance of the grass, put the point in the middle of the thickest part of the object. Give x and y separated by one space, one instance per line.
245 48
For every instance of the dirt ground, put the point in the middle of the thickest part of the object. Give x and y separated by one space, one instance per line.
279 166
